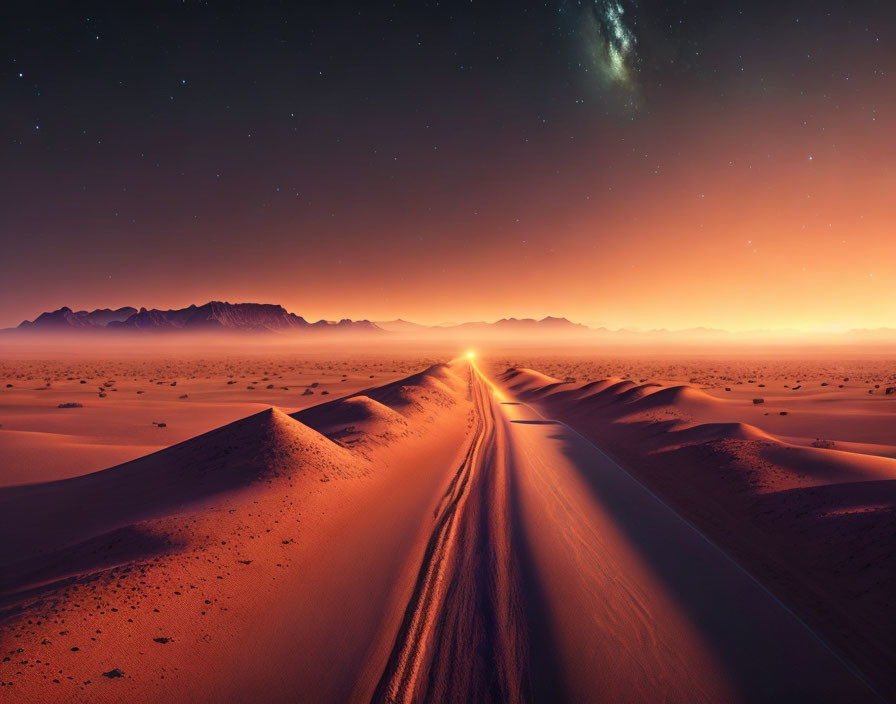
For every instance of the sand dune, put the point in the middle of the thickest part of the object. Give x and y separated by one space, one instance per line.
179 545
829 465
809 520
382 414
708 432
354 419
655 396
256 448
404 395
424 540
58 520
190 394
521 381
532 385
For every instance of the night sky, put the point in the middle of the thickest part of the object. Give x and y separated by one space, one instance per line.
652 164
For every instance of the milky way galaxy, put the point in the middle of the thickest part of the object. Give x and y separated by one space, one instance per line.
607 30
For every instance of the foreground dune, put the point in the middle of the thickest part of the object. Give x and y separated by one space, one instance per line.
264 545
431 539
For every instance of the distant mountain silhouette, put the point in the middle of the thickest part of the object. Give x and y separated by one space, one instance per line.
504 325
223 316
548 322
399 325
213 316
104 316
65 317
216 315
266 317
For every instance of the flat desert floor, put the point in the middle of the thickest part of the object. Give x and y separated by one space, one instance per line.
403 526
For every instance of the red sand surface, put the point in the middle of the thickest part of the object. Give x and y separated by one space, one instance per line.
255 545
446 537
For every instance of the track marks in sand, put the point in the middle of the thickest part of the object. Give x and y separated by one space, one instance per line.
463 633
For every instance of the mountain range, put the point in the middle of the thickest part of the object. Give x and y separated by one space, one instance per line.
212 316
222 316
504 325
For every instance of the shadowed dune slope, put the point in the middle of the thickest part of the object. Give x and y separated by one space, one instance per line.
386 407
807 516
261 447
523 380
352 419
709 432
656 396
437 384
830 466
637 393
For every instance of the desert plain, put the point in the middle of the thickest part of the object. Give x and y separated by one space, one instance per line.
447 523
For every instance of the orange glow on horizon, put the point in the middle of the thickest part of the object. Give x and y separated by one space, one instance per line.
740 231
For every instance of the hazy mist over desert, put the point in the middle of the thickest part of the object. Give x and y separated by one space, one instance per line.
454 352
